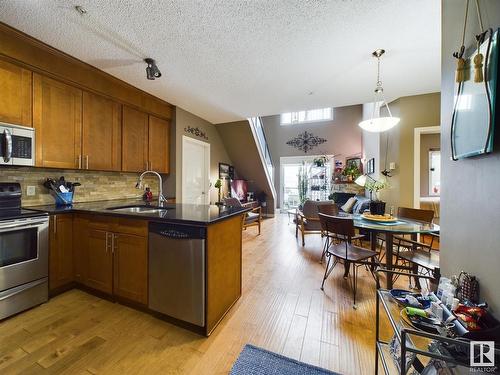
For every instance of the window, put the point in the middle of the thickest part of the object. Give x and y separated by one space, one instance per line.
434 173
312 115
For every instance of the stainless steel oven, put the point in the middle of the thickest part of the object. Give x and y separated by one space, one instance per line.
17 145
23 263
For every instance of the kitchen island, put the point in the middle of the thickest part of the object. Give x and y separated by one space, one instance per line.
181 262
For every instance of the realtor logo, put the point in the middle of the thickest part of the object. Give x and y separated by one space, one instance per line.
482 353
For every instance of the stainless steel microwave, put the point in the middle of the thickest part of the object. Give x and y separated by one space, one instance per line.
17 145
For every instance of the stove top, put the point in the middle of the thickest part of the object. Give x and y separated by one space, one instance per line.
10 203
20 214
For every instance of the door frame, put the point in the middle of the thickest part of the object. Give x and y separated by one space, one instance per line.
416 159
206 146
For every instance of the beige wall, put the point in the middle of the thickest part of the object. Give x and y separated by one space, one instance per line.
218 153
470 208
414 112
428 142
96 185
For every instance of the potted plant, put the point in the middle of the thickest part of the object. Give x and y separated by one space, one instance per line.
351 172
377 207
320 161
218 185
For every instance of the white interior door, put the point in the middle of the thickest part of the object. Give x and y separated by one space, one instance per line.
195 171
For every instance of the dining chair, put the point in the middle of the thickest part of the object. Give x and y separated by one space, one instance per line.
333 210
252 218
344 251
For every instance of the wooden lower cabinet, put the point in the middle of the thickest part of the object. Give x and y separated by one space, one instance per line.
99 261
111 256
60 251
130 259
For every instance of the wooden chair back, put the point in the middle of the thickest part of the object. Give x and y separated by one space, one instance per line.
417 214
232 202
328 209
339 225
311 208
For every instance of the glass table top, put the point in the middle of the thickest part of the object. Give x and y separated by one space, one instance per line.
402 225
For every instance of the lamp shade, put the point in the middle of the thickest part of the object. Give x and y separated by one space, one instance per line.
361 180
379 124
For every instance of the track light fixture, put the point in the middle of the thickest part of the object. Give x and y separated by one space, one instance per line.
152 71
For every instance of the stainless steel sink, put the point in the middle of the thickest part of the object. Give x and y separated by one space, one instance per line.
140 209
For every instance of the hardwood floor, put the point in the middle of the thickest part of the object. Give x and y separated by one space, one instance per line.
282 309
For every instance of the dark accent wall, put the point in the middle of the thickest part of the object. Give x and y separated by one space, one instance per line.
470 196
242 149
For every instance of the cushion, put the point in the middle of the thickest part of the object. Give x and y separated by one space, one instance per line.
347 207
362 204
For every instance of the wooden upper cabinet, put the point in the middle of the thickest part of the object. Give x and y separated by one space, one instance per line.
134 140
159 145
15 98
57 119
101 136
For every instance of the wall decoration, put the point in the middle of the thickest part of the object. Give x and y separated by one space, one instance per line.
196 132
306 141
475 112
370 167
226 174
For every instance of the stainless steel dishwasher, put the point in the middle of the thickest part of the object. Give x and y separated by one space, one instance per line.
177 271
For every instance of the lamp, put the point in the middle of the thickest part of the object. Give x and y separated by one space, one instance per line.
379 124
361 181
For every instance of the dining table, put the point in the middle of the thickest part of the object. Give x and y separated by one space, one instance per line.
400 226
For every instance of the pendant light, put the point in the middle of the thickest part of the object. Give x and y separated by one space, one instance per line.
378 124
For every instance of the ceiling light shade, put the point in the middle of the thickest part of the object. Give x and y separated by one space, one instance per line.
378 124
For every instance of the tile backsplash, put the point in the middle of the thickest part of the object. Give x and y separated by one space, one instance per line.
96 185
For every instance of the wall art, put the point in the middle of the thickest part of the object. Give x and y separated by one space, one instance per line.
196 132
306 141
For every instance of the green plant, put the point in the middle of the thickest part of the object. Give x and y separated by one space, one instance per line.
218 184
351 170
321 161
374 186
303 183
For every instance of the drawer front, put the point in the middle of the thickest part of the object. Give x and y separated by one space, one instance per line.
131 226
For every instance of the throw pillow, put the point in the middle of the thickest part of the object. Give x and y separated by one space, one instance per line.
347 207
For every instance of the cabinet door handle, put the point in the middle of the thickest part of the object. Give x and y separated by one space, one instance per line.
150 165
115 245
107 242
54 221
79 161
87 161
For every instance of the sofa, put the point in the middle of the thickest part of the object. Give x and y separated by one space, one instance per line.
362 202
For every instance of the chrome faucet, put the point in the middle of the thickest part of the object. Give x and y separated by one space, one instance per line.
161 198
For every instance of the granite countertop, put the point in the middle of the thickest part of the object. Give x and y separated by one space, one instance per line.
172 213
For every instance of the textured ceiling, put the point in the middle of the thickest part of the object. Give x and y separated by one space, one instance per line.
230 59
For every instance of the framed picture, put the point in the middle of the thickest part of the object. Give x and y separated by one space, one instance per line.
226 174
370 166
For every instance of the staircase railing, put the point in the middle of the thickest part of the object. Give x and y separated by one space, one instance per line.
263 147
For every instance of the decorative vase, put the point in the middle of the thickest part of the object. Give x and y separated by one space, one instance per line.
377 207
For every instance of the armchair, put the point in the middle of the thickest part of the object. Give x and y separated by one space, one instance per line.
307 219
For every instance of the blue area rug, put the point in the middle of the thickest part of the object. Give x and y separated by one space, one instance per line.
256 361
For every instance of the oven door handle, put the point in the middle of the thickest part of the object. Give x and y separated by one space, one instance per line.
11 293
22 225
8 145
